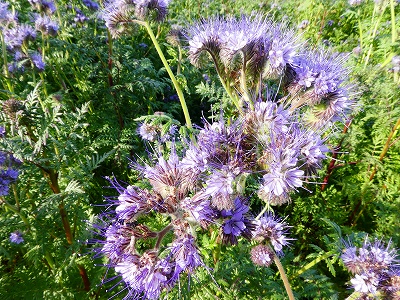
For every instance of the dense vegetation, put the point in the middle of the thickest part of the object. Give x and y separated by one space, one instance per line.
75 96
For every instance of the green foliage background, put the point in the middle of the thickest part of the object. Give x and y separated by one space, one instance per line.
77 125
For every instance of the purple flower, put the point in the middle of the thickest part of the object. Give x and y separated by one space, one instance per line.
185 255
38 61
15 37
147 275
283 49
90 4
373 265
280 180
148 131
365 283
46 6
80 17
8 175
261 255
238 222
6 17
169 179
117 243
118 13
199 208
16 237
46 25
132 202
220 187
272 229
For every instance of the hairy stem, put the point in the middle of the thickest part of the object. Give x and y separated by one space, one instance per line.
169 71
5 63
161 235
283 276
53 177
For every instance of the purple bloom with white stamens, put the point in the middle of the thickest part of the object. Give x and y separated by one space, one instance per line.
373 265
199 208
147 275
261 255
132 202
169 178
272 229
365 283
281 179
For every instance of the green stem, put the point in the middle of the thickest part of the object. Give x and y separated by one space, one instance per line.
167 67
17 211
393 20
49 260
243 83
283 276
5 66
266 207
373 35
314 262
360 28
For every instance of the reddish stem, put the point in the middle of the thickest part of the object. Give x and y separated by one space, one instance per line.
333 161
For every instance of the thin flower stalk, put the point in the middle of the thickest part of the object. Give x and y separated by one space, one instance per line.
169 71
6 73
283 276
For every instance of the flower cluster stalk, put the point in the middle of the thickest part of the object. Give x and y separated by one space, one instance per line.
169 71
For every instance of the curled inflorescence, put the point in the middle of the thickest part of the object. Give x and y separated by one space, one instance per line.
118 14
375 268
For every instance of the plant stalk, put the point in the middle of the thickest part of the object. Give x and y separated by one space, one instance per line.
283 276
169 71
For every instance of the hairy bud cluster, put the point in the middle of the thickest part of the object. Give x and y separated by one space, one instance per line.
118 14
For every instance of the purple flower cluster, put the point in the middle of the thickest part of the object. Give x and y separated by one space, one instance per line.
277 141
117 14
18 36
255 49
7 17
46 6
374 266
46 25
